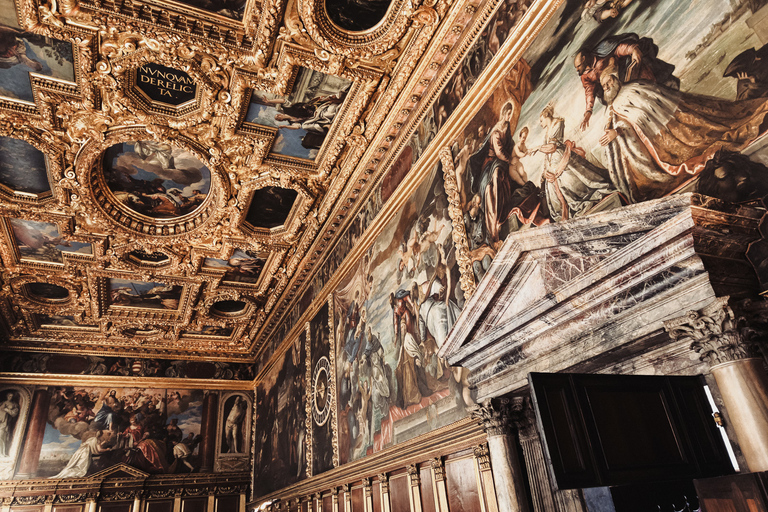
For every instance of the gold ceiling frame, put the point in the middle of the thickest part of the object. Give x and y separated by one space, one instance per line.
74 302
290 230
35 325
89 170
115 74
207 306
54 164
15 263
364 44
129 315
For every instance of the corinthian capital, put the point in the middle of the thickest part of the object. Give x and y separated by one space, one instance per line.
493 417
715 332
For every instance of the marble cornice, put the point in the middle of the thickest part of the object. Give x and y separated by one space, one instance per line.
657 266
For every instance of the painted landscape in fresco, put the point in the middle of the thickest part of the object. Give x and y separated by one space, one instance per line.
241 267
156 179
304 117
41 241
140 294
393 311
280 455
22 167
91 429
640 100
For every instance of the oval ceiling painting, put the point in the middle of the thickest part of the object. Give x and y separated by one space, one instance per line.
356 15
156 179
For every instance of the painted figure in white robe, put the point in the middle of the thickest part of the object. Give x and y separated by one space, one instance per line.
571 183
80 462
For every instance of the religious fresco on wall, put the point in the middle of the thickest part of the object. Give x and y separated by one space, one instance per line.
234 425
92 429
392 312
75 364
658 98
321 398
141 294
241 267
22 53
41 241
280 417
356 15
22 167
304 117
156 179
14 405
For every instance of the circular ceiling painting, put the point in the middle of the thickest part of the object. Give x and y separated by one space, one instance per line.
156 179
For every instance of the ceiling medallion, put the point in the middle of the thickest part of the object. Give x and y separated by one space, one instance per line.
153 188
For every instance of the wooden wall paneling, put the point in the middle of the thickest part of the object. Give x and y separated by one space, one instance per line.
328 503
358 500
428 502
347 489
399 493
200 504
462 485
67 508
158 506
376 496
226 503
116 506
36 508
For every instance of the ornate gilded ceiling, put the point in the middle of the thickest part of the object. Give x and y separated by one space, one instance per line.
172 173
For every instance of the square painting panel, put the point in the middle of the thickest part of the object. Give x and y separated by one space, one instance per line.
41 241
22 53
241 267
22 167
304 117
140 294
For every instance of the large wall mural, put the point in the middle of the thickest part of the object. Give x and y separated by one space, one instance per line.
392 313
91 429
280 419
640 100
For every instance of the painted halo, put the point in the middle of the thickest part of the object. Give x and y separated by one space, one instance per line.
155 180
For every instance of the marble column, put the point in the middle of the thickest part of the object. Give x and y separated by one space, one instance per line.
33 443
505 466
543 496
208 432
725 341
